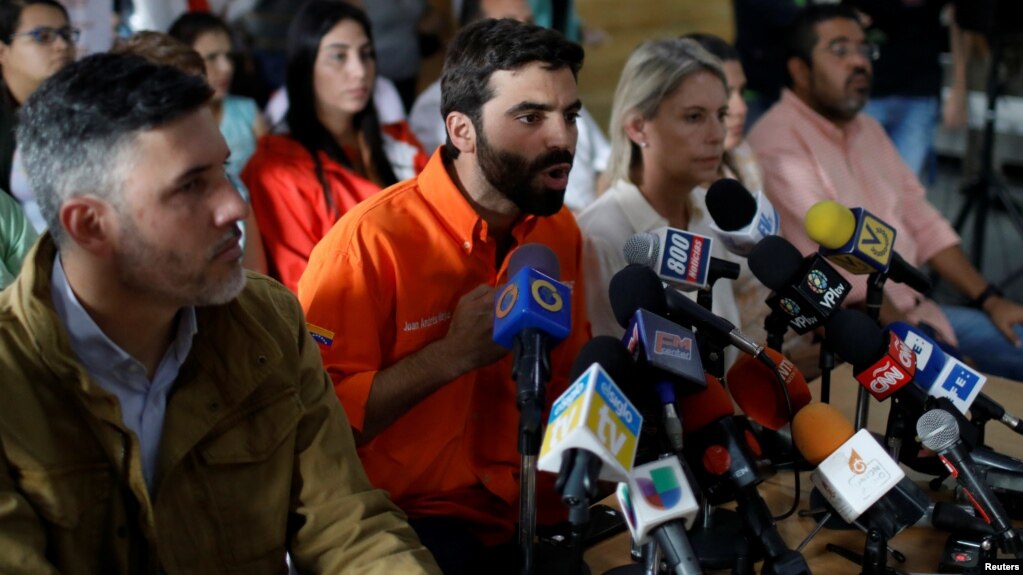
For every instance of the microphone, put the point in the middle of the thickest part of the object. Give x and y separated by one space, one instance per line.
740 219
939 432
943 375
657 501
860 242
883 365
756 390
594 423
806 290
639 279
855 474
724 446
681 259
532 314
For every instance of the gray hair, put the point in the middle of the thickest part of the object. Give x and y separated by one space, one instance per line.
654 70
76 131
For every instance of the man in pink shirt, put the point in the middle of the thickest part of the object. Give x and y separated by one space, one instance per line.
814 145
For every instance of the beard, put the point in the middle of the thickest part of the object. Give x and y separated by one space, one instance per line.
169 275
519 179
850 103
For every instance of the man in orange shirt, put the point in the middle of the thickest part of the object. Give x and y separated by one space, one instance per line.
400 293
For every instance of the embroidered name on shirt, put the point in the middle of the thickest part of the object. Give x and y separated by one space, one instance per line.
427 321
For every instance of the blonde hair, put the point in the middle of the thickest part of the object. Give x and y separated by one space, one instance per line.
654 70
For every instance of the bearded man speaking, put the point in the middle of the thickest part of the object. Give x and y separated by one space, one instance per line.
400 293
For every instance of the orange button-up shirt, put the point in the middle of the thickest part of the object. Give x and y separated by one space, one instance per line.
382 284
806 159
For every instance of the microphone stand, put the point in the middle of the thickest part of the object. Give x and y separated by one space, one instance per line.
531 371
776 324
875 295
712 351
577 485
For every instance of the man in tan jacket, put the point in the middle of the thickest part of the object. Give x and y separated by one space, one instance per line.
161 412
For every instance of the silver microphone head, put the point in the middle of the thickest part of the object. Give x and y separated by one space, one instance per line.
642 249
937 429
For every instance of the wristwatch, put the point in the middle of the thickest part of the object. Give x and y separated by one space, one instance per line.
989 291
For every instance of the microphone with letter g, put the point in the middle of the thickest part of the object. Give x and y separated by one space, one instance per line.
532 314
741 219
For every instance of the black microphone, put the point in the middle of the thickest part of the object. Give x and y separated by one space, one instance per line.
806 290
741 219
939 432
683 310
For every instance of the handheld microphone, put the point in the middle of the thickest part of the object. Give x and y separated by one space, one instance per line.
657 501
741 219
943 375
939 432
806 290
681 259
860 242
855 474
756 389
594 422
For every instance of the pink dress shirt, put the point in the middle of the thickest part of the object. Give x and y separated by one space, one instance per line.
806 158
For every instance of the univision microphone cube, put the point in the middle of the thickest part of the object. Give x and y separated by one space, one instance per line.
593 414
870 247
820 291
656 493
534 300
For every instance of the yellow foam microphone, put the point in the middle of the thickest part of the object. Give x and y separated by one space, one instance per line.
830 224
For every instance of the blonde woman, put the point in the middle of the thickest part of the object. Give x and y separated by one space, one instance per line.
667 137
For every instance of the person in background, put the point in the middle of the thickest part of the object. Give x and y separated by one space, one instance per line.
165 411
239 119
667 137
814 145
164 49
740 163
592 149
336 153
906 94
36 40
401 292
16 237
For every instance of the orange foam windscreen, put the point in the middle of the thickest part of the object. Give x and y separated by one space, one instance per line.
818 430
757 392
700 409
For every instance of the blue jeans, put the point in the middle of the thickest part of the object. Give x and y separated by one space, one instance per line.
981 341
910 123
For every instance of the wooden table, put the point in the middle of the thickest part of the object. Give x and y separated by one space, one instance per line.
921 546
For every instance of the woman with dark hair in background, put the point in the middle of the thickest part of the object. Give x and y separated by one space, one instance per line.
239 118
36 40
336 153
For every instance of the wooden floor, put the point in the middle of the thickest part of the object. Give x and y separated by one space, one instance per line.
629 22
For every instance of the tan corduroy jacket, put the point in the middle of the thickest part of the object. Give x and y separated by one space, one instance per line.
256 458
